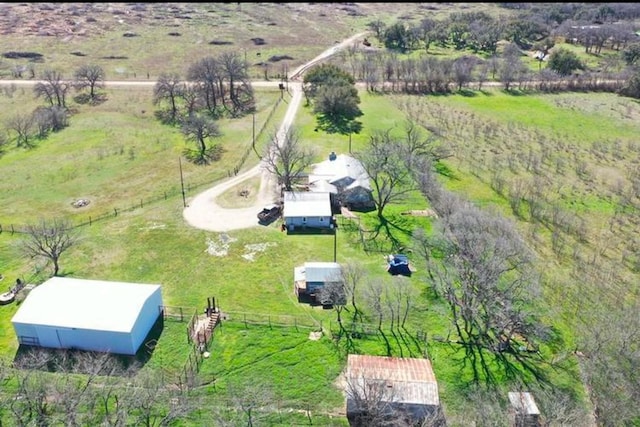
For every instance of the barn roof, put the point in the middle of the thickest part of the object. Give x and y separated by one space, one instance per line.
306 204
85 304
412 379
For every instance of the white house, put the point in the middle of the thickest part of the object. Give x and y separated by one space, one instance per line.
307 210
92 315
347 175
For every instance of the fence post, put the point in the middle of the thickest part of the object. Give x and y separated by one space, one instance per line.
116 211
141 203
12 230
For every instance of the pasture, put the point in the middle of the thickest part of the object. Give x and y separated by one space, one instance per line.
563 167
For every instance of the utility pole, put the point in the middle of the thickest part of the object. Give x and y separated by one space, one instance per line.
184 200
335 243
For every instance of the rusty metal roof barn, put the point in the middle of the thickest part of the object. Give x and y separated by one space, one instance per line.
412 379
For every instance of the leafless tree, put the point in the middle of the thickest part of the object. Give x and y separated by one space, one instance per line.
150 402
287 158
384 160
206 74
89 76
399 295
334 293
49 239
234 68
22 125
50 119
353 274
373 403
373 297
169 88
53 88
198 129
609 354
253 400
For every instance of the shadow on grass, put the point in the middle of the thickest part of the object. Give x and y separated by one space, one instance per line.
88 362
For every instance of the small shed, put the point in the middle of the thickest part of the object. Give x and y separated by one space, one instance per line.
311 277
307 210
92 315
407 385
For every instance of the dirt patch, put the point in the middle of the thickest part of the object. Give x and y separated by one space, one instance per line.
423 212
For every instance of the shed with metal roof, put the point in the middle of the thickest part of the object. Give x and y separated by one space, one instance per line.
92 315
404 386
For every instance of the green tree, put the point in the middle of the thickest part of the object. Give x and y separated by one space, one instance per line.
335 99
323 75
396 37
631 54
564 62
632 88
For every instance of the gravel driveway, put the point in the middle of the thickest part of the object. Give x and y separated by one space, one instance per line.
204 213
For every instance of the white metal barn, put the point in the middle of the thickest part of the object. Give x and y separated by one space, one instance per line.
93 315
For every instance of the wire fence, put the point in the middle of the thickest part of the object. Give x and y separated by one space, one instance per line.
272 320
166 194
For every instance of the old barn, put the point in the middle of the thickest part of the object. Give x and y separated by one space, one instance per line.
406 385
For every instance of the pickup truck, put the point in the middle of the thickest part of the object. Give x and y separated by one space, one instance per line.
269 213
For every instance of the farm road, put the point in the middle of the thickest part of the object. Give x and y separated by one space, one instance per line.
204 213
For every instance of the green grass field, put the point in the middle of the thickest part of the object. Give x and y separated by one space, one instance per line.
574 156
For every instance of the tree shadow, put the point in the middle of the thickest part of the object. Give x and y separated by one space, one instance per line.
391 232
338 124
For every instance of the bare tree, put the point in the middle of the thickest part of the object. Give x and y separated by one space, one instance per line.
169 88
206 74
235 70
399 295
150 402
384 160
253 400
53 88
49 240
22 125
334 293
89 76
610 356
50 119
287 158
198 129
353 274
372 403
4 140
